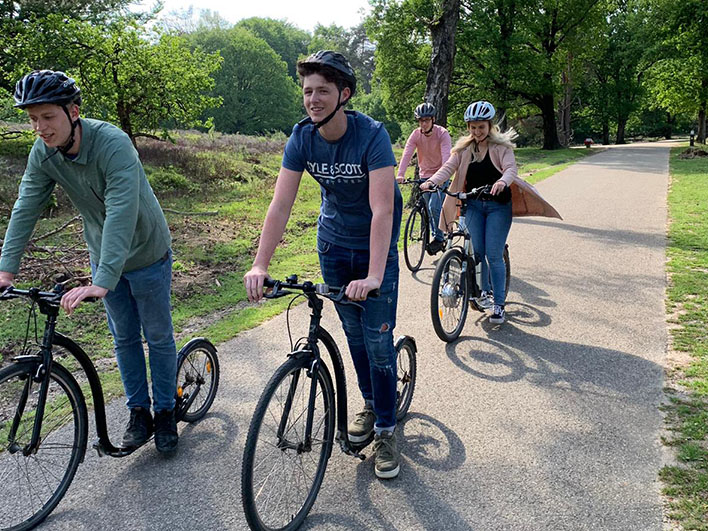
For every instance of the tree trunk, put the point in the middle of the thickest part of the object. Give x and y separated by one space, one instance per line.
621 124
669 127
550 133
564 131
606 132
702 123
442 58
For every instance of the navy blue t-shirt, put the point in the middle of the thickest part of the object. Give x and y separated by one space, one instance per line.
342 170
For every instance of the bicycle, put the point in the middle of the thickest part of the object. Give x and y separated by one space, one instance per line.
293 425
416 235
455 281
44 417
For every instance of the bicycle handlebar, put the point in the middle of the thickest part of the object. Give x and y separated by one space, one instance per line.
52 297
333 293
475 192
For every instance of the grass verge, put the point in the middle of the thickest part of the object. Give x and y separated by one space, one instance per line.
686 482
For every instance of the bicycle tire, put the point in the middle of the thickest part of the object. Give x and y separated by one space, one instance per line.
32 486
198 372
407 369
507 266
287 513
416 237
448 296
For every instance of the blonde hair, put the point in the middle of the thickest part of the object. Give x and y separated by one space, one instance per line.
496 136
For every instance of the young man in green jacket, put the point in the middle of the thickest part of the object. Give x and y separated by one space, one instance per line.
127 236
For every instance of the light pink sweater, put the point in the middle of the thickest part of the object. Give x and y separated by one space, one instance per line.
433 151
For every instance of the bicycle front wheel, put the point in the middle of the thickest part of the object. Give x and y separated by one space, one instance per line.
284 461
32 485
406 372
197 380
448 296
415 237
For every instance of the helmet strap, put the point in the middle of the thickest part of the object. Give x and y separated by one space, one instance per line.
70 142
340 104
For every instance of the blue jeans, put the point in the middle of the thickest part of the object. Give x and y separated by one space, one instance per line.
369 331
435 201
141 300
488 223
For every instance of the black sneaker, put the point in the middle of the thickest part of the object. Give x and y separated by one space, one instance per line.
499 315
166 431
139 429
435 247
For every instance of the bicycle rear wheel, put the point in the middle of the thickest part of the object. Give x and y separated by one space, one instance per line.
197 379
415 237
406 373
282 471
32 485
448 296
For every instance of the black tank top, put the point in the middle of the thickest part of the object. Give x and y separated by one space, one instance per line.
484 172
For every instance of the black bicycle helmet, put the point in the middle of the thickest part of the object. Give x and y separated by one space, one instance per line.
46 86
334 60
424 110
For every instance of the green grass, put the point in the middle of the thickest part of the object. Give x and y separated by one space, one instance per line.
686 484
536 164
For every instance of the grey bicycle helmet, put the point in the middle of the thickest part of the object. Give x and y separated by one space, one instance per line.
46 86
479 111
424 110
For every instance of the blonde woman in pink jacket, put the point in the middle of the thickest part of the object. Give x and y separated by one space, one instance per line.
484 157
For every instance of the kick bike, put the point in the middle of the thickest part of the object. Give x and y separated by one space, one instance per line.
301 413
44 417
457 277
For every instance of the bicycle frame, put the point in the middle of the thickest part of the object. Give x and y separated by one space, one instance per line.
48 303
311 351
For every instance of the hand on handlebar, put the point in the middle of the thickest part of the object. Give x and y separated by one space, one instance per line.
73 298
6 280
427 185
400 179
253 280
358 290
497 187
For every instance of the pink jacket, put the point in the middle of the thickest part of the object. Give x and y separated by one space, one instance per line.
433 151
525 199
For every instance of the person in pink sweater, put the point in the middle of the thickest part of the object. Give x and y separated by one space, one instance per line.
433 144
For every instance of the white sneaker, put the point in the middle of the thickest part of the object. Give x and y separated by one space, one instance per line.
499 315
485 301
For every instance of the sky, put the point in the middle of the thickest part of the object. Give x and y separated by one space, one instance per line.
305 14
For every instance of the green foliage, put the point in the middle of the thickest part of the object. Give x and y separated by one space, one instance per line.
258 94
372 105
143 81
165 181
289 42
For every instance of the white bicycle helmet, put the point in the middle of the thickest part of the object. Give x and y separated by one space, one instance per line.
479 111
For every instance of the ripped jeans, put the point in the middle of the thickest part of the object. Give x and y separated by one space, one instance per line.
370 331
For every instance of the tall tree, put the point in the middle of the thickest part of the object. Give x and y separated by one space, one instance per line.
288 41
258 94
16 16
143 81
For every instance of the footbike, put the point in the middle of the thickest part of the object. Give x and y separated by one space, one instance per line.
416 234
457 277
301 413
44 416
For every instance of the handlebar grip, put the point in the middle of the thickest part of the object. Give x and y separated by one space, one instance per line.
374 293
268 283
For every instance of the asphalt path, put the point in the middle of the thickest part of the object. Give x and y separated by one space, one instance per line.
549 421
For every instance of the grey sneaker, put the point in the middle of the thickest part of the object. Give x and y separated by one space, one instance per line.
499 315
361 428
386 456
485 301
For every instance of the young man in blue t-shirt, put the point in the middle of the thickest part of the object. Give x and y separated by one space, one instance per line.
350 156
